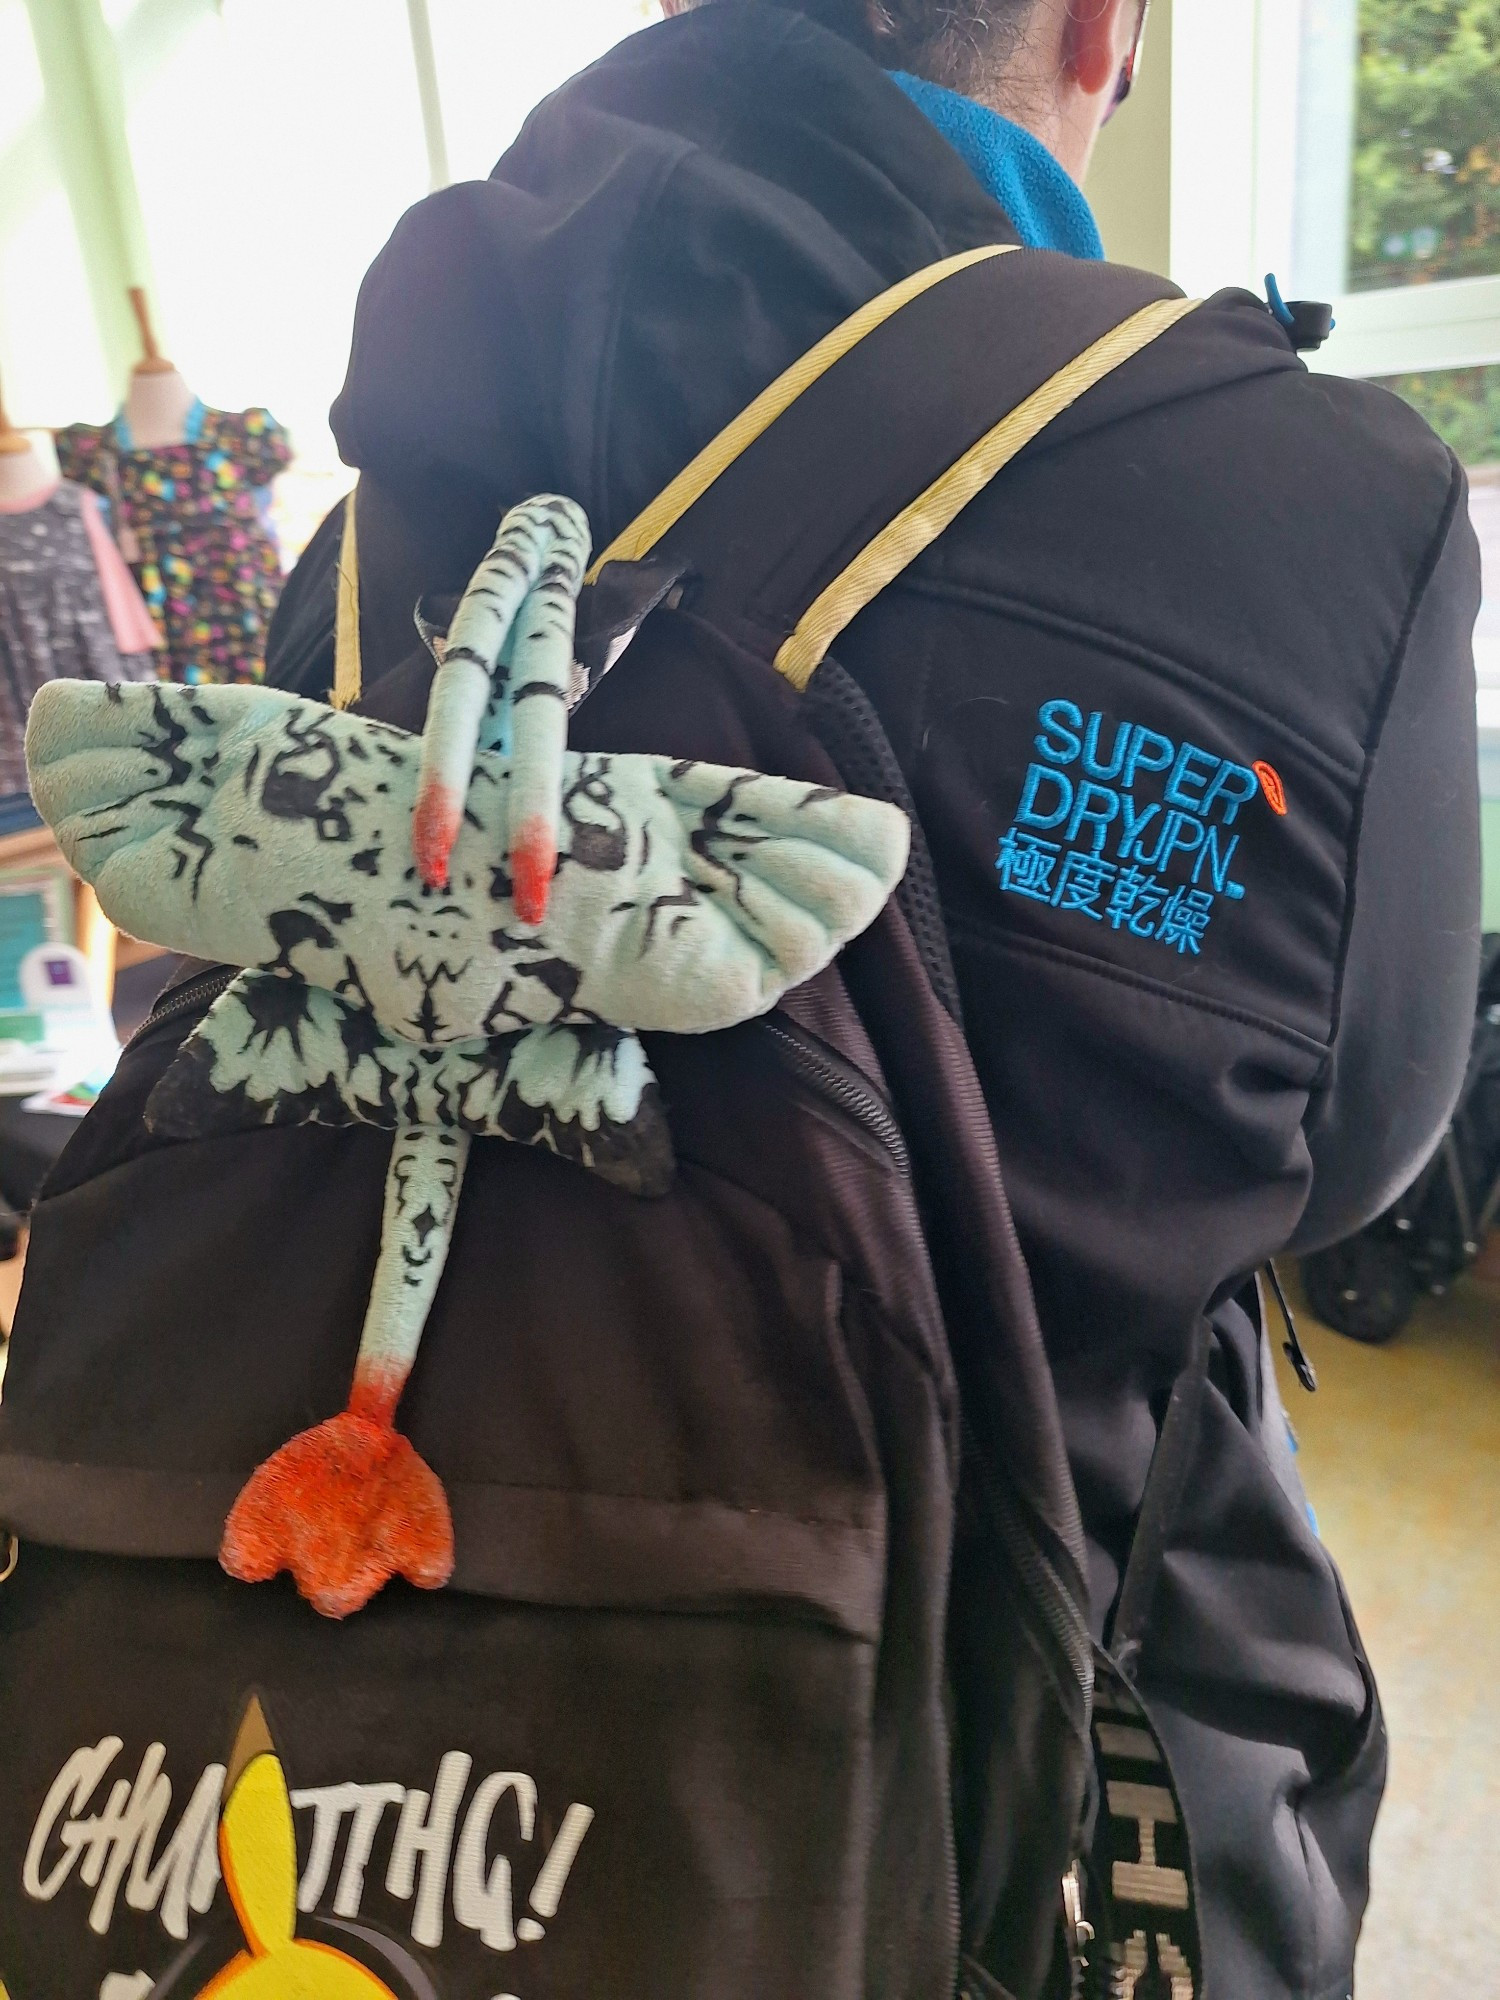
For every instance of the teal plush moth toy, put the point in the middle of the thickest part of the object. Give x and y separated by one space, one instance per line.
451 938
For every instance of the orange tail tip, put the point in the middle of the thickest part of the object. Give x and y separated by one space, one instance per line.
1271 785
345 1507
533 863
434 828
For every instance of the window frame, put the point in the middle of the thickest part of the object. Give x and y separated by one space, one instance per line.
1235 102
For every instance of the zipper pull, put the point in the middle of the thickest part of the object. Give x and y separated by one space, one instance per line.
1078 1934
1292 1348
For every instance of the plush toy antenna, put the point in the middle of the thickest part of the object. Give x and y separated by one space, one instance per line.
504 682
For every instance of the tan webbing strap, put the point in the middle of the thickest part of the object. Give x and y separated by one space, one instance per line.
903 540
897 545
696 477
348 673
669 506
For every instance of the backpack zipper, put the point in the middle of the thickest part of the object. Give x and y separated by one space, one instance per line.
842 1084
812 1060
827 1072
815 1063
1046 1588
200 991
1078 1932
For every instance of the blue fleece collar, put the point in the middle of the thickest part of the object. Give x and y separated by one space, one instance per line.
1042 200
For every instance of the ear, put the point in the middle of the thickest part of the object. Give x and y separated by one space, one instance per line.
1096 41
258 1839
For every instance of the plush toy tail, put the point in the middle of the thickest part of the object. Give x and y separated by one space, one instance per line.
350 1504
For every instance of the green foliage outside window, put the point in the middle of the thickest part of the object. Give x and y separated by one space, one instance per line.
1426 193
1463 407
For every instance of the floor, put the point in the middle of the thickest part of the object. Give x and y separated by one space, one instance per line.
1400 1450
10 1291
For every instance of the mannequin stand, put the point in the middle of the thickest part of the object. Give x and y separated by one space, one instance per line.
158 400
24 479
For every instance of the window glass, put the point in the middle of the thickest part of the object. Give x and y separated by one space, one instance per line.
21 101
1426 180
275 145
1484 504
1398 144
50 355
498 58
1463 407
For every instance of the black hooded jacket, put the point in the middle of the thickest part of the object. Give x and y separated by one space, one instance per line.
1217 565
1239 556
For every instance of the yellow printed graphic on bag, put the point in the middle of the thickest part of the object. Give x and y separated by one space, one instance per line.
258 1854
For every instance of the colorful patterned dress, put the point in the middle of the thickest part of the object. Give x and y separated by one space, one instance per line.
55 619
190 518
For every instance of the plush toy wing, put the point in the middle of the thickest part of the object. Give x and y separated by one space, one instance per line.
275 1051
384 892
257 829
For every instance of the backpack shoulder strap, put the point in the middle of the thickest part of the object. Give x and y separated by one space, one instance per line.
857 458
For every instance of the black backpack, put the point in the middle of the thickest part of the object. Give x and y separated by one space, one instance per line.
765 1669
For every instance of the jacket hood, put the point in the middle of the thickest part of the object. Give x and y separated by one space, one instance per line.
565 324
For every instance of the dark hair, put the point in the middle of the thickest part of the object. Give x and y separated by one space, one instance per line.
960 43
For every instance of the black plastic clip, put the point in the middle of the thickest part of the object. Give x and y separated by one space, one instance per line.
1293 1349
1306 322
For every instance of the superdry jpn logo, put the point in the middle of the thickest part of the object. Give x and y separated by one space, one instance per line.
1119 824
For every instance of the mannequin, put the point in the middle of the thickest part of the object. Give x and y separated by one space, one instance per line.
24 478
158 401
69 607
187 488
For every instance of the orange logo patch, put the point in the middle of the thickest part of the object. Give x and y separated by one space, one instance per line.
1271 785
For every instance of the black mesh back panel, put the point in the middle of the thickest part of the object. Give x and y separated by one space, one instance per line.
850 731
